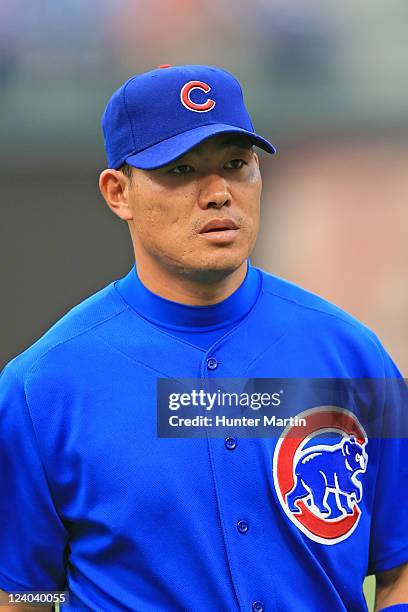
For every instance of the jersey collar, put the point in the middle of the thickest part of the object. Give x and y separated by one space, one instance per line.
175 315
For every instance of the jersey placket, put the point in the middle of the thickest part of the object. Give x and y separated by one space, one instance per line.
239 470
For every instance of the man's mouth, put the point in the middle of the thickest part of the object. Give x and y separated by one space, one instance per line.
218 225
220 231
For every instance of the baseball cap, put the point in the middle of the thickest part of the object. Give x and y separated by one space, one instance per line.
157 116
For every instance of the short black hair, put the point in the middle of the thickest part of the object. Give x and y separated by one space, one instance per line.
127 170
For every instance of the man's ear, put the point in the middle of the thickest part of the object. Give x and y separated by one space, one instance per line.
114 187
256 158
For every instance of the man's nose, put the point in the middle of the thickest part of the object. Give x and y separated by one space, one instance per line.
214 192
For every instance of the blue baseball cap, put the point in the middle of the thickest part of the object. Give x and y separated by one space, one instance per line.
156 117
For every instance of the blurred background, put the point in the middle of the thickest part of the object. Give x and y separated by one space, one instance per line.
326 82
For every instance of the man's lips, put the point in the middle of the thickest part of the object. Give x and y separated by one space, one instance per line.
220 231
218 225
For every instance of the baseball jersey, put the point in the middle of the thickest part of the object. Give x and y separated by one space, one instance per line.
95 502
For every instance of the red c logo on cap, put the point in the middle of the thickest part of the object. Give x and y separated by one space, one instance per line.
193 106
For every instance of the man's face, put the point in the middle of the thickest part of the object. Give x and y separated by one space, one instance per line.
216 182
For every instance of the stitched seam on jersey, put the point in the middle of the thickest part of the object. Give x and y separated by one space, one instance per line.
90 605
196 329
14 582
112 346
388 557
270 491
359 327
377 470
133 360
222 522
71 338
35 440
40 457
377 492
229 564
235 329
25 383
374 500
204 375
159 329
166 333
267 348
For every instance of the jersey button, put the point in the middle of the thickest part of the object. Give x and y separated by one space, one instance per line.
230 443
258 606
242 526
212 363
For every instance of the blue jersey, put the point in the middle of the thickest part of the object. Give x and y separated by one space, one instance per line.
95 502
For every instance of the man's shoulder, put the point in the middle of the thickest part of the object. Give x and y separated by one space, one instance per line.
72 328
313 309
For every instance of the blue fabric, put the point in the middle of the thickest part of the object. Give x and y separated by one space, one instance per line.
148 122
93 499
397 608
201 326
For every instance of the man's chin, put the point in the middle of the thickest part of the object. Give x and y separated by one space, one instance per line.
213 269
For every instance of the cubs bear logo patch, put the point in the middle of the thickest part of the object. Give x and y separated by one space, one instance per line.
316 478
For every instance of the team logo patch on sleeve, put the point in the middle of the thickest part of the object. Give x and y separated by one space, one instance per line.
317 482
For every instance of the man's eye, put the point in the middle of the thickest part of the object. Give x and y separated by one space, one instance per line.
183 169
235 164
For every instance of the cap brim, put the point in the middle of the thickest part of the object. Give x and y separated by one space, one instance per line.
170 149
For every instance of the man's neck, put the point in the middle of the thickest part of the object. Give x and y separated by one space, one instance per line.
187 289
